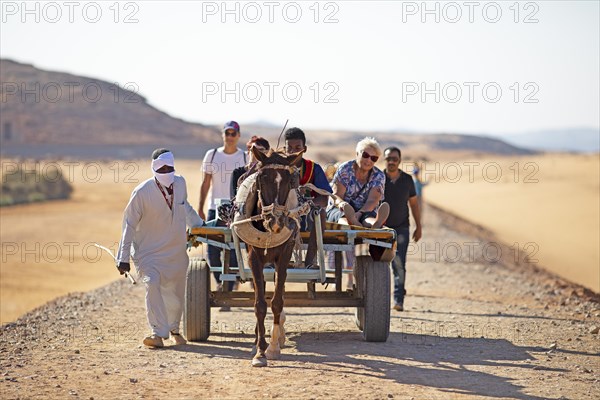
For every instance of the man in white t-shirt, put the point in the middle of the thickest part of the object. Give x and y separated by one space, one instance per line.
217 167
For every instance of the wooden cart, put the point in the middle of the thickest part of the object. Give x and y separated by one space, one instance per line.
370 293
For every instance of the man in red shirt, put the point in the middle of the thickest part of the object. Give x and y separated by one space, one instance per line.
310 172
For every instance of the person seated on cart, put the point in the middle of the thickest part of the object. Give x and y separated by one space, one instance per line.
358 186
239 174
310 172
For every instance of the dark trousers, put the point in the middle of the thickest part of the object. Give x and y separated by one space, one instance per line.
399 264
214 255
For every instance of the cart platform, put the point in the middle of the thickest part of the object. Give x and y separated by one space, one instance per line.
370 294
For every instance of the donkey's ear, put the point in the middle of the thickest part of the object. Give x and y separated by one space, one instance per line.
260 156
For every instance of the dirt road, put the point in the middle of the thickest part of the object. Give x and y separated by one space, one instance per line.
476 325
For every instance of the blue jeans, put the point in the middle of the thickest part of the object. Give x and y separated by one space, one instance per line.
214 255
399 264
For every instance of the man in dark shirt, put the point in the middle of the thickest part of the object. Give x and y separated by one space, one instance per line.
399 193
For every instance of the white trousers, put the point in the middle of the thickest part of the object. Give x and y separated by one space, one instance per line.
165 291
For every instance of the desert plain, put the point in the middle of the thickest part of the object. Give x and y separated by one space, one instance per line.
544 207
475 325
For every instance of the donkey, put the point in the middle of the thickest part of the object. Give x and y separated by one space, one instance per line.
271 218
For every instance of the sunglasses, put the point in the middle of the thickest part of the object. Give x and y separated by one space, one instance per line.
392 159
231 134
367 155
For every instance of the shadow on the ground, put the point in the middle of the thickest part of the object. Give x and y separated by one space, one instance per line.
430 361
494 315
249 310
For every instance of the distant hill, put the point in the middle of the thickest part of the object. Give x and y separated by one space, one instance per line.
415 145
454 142
586 140
46 107
46 113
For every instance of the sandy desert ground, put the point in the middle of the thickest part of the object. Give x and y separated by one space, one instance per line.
473 328
548 206
47 249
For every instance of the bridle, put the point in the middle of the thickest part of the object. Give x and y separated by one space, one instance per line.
275 209
295 208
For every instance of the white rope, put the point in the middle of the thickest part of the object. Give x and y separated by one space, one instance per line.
316 189
243 221
297 250
127 274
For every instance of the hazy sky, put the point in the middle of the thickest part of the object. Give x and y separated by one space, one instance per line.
483 67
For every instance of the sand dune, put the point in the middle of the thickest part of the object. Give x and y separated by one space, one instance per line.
548 206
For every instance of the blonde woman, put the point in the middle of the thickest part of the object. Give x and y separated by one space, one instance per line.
359 186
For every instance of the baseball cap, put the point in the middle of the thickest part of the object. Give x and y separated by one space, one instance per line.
231 125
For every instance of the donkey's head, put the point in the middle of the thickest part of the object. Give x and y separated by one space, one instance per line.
277 178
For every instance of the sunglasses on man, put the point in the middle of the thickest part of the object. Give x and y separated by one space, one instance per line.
367 155
231 133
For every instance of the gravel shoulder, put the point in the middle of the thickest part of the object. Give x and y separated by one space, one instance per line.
477 324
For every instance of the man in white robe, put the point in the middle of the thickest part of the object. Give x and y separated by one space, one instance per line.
154 236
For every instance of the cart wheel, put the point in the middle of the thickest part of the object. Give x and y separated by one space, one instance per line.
359 279
196 316
376 297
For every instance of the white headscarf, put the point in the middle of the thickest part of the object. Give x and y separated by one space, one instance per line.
162 160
